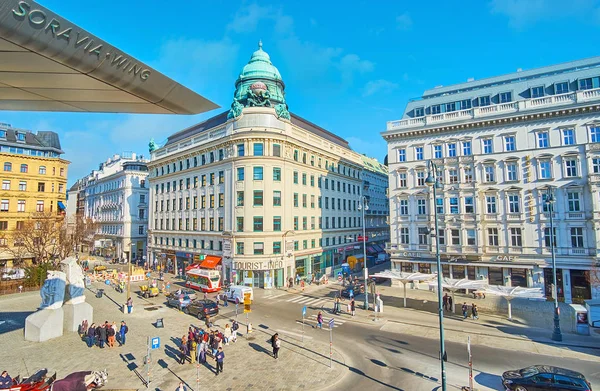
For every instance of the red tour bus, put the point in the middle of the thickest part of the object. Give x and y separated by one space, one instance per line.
203 280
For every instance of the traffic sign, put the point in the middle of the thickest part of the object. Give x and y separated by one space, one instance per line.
331 323
247 299
304 311
155 343
339 274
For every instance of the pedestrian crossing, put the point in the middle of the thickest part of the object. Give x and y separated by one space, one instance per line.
312 320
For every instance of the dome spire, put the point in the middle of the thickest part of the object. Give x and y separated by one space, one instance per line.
260 44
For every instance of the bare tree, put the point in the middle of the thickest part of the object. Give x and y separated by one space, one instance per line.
38 238
593 277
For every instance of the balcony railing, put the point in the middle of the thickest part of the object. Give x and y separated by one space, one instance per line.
503 108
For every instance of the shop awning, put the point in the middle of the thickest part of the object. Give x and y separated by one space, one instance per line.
210 262
371 250
378 248
192 266
61 206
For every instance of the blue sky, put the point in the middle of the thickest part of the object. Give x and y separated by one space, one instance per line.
348 66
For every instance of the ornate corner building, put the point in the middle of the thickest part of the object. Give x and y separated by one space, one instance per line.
268 193
499 143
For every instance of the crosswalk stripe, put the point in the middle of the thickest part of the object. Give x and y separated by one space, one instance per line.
311 301
327 317
310 321
304 300
294 299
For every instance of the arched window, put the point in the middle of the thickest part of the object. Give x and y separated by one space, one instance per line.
42 170
7 166
24 168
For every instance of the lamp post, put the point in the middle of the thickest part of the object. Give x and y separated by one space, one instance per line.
435 184
556 334
362 206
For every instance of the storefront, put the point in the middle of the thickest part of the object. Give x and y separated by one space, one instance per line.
266 274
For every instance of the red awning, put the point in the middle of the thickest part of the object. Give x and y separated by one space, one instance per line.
210 262
192 266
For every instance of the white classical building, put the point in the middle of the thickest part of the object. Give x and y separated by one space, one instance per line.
499 144
375 189
116 198
265 193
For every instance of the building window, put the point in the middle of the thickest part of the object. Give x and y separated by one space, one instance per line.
437 151
469 205
439 205
420 178
276 223
542 140
453 175
402 178
295 175
404 237
258 224
258 198
490 173
568 136
421 206
537 92
304 179
221 200
490 203
468 175
505 97
492 236
441 237
258 149
7 166
419 152
547 237
514 203
576 237
545 169
509 143
240 150
471 237
419 112
515 237
42 170
561 88
276 247
436 109
140 230
594 135
240 198
466 148
5 185
239 224
239 248
596 165
571 168
296 201
277 150
258 173
276 198
404 207
240 173
423 235
39 206
4 206
573 202
452 150
484 100
276 174
402 155
453 205
22 186
24 168
511 172
455 237
586 84
488 146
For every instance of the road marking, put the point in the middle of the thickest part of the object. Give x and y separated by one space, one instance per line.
313 301
305 300
294 334
276 296
309 322
297 299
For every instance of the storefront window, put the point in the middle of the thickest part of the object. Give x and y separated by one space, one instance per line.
446 271
458 271
548 281
518 277
407 267
580 286
495 276
425 268
300 267
471 273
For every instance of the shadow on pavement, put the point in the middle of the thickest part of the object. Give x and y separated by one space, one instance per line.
163 364
11 321
361 373
259 348
489 380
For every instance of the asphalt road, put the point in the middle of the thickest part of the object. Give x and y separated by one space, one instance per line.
378 359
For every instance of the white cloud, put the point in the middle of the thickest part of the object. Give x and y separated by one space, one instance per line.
247 18
522 13
380 85
404 21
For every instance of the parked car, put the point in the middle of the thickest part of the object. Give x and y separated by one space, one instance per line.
179 301
382 258
184 291
544 377
13 274
201 308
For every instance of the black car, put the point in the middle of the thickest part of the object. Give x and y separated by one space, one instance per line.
353 290
201 308
544 378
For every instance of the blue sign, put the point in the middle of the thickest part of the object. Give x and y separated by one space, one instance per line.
304 311
339 273
331 323
155 343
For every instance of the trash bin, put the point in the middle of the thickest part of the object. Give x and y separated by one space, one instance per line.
99 293
581 319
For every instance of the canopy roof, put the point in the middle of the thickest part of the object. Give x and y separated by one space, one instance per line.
403 276
463 283
512 291
50 64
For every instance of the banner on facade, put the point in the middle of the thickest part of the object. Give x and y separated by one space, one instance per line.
227 248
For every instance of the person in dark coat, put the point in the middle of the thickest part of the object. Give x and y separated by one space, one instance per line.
220 356
275 345
6 381
474 311
91 335
352 307
183 350
450 304
102 336
445 302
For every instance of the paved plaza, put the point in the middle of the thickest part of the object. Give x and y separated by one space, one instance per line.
248 363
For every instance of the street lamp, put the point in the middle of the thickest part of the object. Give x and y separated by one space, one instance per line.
435 184
556 334
362 206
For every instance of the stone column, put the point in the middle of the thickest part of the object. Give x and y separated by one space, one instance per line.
566 276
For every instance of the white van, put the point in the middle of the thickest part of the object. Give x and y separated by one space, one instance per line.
237 291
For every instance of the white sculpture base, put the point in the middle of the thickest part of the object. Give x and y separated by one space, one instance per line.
44 325
75 314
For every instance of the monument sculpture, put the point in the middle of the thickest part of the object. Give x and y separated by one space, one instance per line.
63 304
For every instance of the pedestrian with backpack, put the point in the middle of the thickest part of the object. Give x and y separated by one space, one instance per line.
320 320
474 311
234 328
465 310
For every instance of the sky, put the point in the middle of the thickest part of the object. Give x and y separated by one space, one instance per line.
348 66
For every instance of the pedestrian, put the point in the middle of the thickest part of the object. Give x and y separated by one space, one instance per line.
110 333
102 335
290 282
274 344
465 310
214 345
302 285
91 334
193 352
352 307
474 311
225 303
181 387
207 321
6 381
336 305
202 352
82 330
445 302
122 332
20 288
227 334
450 304
205 296
234 328
183 350
297 279
190 338
129 305
220 356
320 320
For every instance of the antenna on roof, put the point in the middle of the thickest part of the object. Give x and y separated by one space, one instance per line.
519 69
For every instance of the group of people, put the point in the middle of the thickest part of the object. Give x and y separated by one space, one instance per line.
104 334
200 343
448 306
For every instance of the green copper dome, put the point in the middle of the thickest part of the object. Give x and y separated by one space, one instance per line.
259 85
